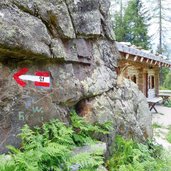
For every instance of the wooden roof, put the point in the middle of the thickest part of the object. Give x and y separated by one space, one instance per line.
143 54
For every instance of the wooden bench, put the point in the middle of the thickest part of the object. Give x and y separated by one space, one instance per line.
153 101
165 94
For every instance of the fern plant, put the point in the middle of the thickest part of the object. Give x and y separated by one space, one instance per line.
51 147
86 160
132 156
83 131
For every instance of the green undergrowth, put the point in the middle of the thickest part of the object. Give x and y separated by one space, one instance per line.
156 125
168 136
168 103
164 88
50 147
129 155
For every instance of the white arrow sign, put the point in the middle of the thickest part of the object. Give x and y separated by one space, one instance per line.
35 78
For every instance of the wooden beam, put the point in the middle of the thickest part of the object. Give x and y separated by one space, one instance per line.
127 55
151 62
135 58
141 59
155 62
147 60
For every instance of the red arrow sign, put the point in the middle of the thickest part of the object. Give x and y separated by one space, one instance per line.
18 74
39 79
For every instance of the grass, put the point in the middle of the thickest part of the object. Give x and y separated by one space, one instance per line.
156 125
166 156
168 136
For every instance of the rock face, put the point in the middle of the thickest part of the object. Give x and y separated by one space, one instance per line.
73 42
124 106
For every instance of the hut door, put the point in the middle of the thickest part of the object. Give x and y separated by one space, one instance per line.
151 87
146 85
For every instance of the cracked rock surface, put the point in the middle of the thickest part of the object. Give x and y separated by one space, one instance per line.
73 41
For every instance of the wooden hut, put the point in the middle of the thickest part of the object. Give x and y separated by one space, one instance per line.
142 68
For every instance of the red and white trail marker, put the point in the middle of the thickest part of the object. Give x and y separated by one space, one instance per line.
43 79
40 78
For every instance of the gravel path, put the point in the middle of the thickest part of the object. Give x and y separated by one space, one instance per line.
162 118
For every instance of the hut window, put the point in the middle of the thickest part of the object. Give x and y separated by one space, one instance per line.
149 82
134 79
152 81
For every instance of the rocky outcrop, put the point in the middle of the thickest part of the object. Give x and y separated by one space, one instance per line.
73 42
125 107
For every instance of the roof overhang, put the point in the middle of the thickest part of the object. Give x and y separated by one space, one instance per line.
142 55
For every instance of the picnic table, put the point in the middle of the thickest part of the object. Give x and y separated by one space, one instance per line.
165 94
153 101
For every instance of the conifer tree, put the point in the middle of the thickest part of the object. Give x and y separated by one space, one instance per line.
160 19
130 26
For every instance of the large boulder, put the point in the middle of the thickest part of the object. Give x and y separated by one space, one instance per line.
125 107
72 43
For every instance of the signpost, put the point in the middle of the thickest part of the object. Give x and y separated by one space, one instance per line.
41 79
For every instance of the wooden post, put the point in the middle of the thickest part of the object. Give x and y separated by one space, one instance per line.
127 55
135 58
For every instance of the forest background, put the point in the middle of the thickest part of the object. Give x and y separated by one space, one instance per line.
146 24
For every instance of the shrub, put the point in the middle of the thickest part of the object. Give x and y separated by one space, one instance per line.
167 81
167 103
